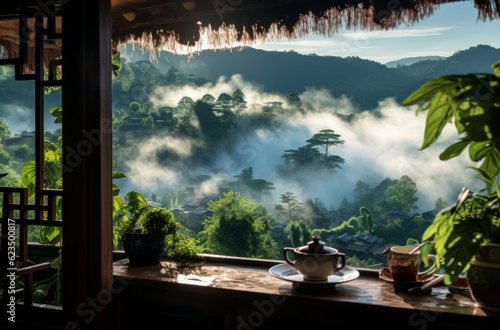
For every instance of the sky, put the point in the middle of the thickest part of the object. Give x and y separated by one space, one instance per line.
453 27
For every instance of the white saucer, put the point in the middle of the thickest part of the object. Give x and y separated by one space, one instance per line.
289 273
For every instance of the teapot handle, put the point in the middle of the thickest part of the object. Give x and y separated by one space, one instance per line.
286 257
342 261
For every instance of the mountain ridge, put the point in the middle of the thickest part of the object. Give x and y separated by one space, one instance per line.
411 60
364 82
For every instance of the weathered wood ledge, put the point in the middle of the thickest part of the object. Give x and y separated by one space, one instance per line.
240 293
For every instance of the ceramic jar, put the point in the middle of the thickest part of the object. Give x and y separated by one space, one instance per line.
144 249
483 277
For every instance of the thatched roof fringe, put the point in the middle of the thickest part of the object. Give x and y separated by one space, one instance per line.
148 42
10 50
225 36
487 9
160 24
222 37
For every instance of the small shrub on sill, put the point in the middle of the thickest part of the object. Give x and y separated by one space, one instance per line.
157 220
182 249
179 246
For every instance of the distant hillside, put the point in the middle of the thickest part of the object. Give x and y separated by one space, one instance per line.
412 60
473 60
365 82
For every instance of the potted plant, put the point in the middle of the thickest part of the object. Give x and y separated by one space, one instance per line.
144 235
466 236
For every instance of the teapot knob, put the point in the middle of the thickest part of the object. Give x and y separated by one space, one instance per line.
316 244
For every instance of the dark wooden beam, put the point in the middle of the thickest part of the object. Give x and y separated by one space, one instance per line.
87 183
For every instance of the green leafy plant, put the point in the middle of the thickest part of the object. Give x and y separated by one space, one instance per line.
49 291
160 221
157 220
470 102
125 215
182 248
139 217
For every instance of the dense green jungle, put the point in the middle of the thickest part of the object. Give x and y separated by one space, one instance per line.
254 151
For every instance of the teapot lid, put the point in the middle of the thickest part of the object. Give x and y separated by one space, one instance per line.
317 247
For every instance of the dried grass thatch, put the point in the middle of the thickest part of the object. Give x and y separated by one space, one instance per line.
11 39
208 27
188 26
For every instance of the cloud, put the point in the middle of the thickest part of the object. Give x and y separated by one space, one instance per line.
399 33
170 95
383 146
378 145
143 170
316 99
19 118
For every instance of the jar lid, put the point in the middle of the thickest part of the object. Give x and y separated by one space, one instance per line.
483 264
317 247
488 252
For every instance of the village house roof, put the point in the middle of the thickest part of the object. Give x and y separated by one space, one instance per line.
344 238
357 247
200 211
376 249
371 239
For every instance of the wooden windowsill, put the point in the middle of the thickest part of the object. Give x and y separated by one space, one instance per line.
240 281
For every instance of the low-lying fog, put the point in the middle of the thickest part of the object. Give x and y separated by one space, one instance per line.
376 147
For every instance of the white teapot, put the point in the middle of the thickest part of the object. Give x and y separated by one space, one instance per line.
315 261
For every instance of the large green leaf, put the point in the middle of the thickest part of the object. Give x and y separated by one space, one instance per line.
116 65
116 190
28 173
116 238
424 92
28 176
438 116
461 246
479 150
51 156
57 113
136 201
49 233
491 164
117 204
118 175
454 150
496 69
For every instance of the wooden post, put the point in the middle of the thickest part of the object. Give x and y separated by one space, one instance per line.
87 178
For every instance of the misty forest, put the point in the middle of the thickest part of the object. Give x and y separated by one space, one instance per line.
250 168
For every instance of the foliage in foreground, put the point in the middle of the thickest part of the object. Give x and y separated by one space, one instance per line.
471 103
238 226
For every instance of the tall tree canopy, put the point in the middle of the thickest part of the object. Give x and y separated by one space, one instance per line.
366 219
403 194
309 155
247 185
298 233
325 138
4 128
240 227
290 206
